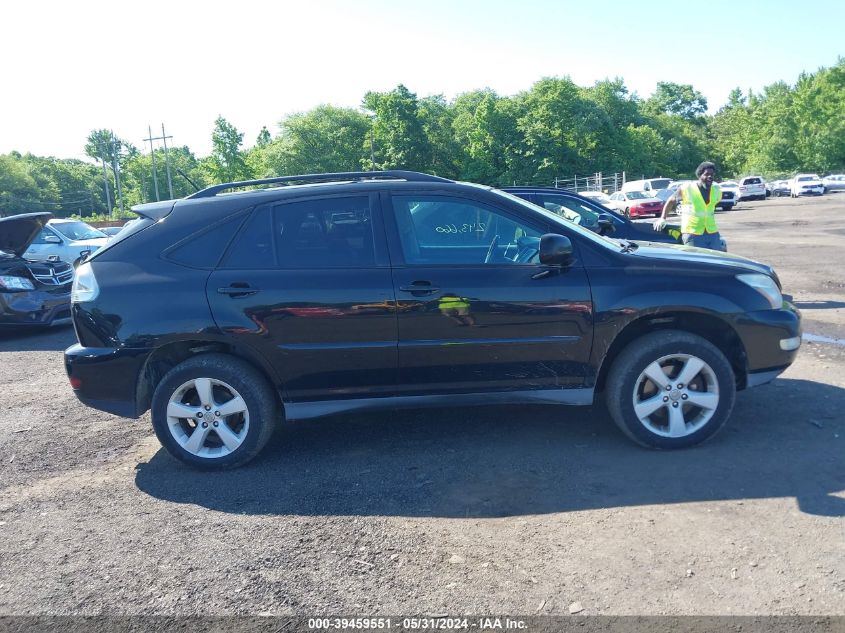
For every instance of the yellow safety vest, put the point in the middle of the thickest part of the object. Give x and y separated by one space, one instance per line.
698 216
448 302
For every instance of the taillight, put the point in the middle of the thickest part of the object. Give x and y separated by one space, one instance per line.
75 383
85 286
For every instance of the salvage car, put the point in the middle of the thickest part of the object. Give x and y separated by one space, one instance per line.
224 313
32 294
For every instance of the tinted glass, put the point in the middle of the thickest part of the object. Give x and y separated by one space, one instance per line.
329 232
201 250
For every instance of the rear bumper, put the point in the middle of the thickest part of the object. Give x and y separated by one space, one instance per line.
33 309
771 339
86 368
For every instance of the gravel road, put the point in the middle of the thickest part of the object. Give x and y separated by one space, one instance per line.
520 510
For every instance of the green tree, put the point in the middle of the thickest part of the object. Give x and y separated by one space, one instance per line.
226 163
399 137
325 139
680 99
19 191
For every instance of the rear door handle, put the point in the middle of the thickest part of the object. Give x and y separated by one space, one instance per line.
238 290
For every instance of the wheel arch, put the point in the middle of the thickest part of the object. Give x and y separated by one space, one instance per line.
707 326
169 355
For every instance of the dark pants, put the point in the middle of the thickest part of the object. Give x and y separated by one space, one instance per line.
712 241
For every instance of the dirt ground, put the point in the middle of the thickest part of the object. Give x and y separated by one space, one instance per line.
473 511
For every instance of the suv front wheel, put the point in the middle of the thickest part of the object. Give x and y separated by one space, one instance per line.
213 412
670 389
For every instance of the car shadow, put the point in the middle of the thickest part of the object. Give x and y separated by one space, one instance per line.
818 305
55 339
784 440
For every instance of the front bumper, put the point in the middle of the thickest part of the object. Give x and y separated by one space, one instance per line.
106 378
771 339
35 308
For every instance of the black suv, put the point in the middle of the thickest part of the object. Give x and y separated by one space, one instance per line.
223 313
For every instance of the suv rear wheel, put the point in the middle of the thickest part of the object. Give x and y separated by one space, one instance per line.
213 412
670 389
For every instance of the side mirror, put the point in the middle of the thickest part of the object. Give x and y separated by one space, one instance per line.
555 250
52 239
606 224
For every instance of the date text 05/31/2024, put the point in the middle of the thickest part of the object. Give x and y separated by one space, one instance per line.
416 624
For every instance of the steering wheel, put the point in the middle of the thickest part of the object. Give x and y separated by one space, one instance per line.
489 256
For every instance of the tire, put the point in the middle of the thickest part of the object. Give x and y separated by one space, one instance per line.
645 410
627 213
236 400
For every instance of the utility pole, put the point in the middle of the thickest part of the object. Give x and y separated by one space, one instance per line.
105 178
163 138
116 169
167 160
153 154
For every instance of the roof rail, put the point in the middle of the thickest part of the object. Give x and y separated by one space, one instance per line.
394 174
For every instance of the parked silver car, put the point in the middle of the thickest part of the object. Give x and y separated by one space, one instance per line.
65 240
835 182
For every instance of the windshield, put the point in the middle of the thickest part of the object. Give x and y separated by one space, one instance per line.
660 183
77 230
637 195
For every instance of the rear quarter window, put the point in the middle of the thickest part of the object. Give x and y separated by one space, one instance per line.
204 248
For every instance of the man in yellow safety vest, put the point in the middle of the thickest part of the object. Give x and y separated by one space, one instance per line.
698 202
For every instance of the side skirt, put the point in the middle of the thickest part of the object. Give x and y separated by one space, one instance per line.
307 410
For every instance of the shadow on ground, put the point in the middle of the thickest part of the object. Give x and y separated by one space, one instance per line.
55 339
784 440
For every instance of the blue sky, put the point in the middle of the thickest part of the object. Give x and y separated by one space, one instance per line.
71 67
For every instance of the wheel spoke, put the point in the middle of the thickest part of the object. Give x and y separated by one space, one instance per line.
204 391
690 370
235 405
655 373
197 440
677 425
228 437
179 410
647 407
703 399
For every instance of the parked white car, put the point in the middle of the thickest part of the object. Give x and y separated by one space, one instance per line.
806 185
65 240
752 188
732 187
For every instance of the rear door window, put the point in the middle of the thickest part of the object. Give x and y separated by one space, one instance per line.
332 232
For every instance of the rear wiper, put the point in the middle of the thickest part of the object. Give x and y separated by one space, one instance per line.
628 246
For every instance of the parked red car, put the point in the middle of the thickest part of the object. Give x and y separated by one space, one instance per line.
635 204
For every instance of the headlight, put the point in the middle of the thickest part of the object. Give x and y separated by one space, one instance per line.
766 286
12 284
85 286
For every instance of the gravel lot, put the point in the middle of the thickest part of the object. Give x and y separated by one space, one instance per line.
487 510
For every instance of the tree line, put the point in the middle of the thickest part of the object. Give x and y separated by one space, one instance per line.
553 130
